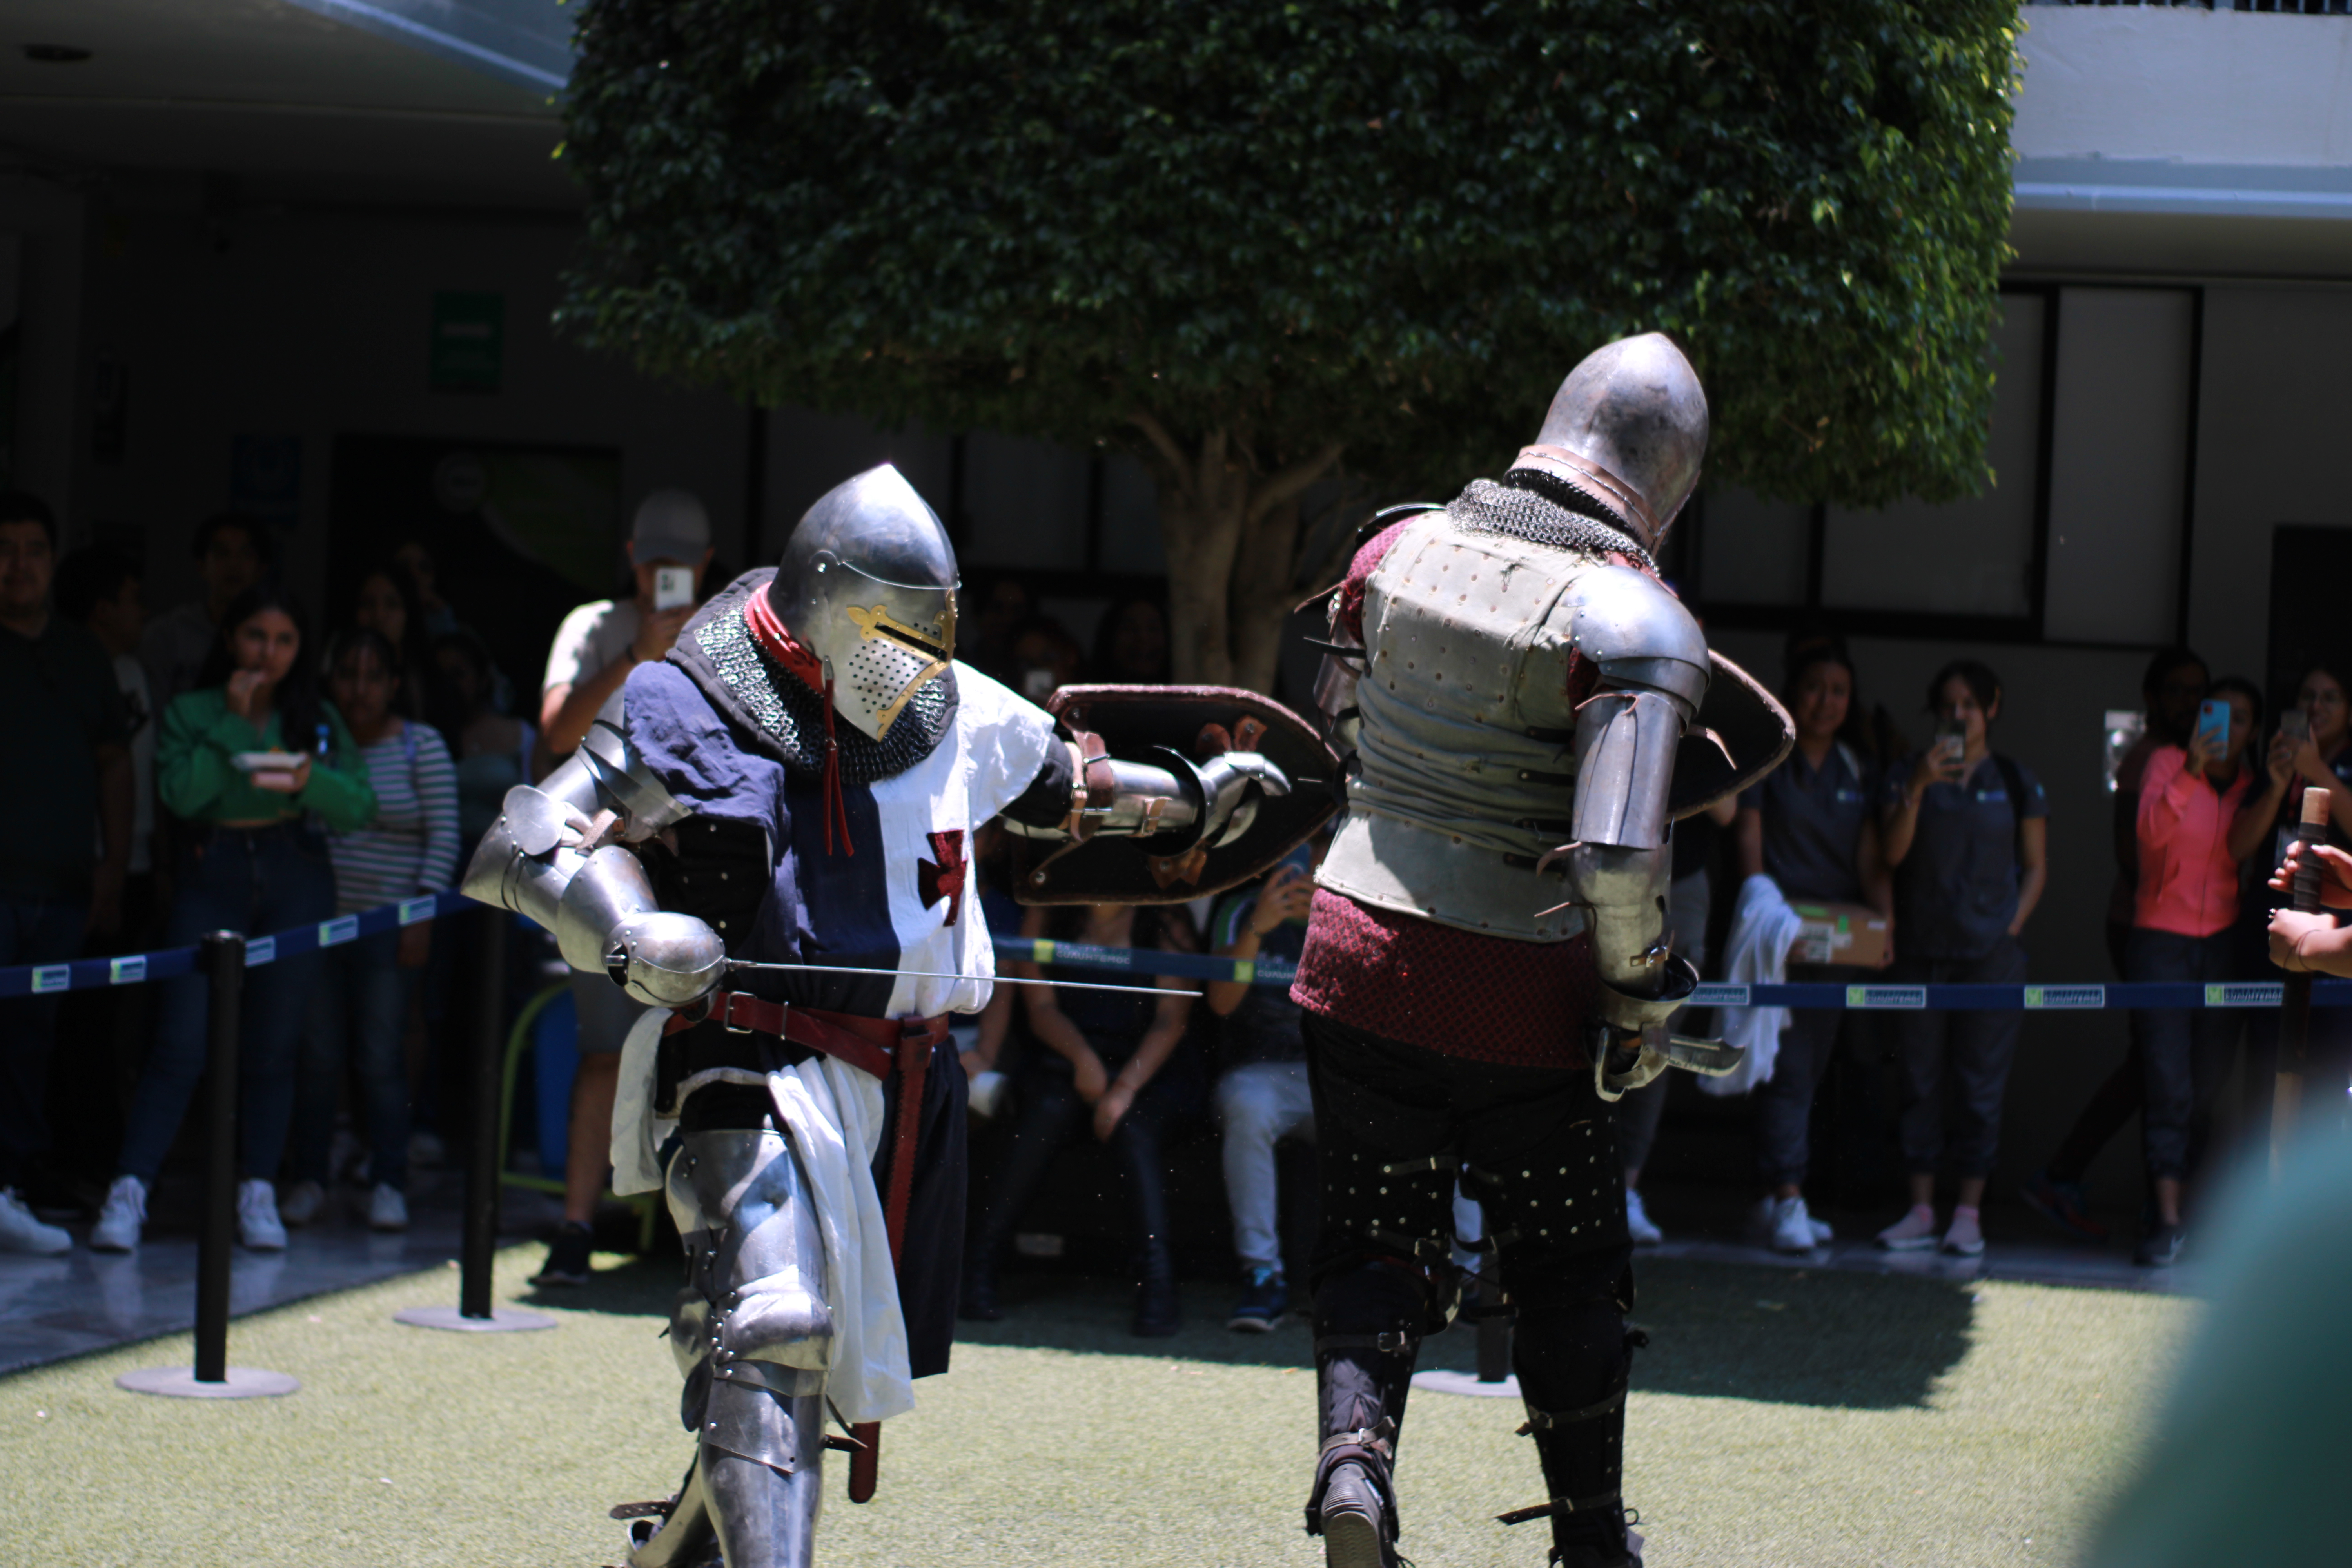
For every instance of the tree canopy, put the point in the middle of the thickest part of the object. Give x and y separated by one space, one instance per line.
1243 236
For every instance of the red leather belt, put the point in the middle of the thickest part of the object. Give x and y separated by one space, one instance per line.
869 1044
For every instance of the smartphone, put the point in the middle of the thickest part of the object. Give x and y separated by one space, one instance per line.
2214 719
1951 743
2296 725
673 586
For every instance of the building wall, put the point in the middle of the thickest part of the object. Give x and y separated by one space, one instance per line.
315 325
48 223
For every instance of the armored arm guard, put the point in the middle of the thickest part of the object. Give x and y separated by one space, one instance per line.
1652 667
1085 793
559 855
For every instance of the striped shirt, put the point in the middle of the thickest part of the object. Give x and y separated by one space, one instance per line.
410 845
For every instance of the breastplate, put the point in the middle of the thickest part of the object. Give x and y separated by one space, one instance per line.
1468 765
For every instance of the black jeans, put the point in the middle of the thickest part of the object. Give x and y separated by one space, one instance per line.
1955 1066
2183 1052
1784 1102
1054 1116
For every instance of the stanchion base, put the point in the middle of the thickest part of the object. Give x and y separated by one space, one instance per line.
502 1321
180 1383
1466 1382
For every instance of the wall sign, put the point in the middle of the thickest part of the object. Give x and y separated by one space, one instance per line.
468 342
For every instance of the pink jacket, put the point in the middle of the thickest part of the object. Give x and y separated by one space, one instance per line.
2188 883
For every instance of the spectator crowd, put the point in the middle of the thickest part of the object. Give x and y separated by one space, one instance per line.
230 763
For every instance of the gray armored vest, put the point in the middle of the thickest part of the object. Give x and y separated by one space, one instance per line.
1467 745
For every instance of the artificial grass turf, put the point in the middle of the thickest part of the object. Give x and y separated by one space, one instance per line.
1781 1416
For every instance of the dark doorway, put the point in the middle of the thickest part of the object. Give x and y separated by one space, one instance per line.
2309 565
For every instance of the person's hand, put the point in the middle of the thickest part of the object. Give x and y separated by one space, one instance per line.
1288 895
1111 1109
2205 749
416 945
106 899
2311 764
2280 761
1089 1077
242 685
2288 929
288 782
2335 874
1933 767
658 630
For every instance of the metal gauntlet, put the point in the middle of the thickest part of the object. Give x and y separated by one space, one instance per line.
557 855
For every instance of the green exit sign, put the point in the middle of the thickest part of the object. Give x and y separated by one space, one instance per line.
468 340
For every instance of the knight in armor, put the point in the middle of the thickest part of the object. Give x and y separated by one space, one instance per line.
1484 970
796 787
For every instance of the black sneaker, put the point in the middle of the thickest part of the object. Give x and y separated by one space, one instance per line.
1265 1299
567 1256
2160 1249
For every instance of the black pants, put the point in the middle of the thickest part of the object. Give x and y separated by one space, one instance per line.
1053 1115
1538 1147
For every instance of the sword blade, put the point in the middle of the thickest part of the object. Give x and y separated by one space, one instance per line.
734 964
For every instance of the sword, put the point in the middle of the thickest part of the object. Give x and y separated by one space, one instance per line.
736 965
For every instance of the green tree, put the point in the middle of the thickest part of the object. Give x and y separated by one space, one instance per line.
1249 240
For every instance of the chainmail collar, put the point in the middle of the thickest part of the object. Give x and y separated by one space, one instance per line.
780 715
1518 508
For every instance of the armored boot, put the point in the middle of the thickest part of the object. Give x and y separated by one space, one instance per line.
1581 1451
1361 1382
754 1336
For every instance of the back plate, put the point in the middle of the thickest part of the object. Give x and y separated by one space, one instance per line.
1131 720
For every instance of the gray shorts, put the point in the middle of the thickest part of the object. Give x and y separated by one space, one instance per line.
606 1013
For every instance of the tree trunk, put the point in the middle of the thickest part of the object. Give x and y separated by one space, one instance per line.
1264 587
1231 534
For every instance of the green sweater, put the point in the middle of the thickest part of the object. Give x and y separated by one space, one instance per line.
196 780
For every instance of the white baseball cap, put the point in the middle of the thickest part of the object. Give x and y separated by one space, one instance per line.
670 526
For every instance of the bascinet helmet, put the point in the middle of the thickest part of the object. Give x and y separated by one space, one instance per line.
868 585
1629 425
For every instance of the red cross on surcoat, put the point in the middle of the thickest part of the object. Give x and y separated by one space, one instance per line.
943 879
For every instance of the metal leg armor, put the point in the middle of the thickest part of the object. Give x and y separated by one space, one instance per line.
754 1338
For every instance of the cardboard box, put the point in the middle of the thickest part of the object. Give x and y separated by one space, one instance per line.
1840 933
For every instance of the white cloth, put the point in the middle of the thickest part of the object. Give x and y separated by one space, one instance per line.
592 639
833 1113
1763 927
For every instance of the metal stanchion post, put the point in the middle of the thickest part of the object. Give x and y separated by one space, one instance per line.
474 1311
221 958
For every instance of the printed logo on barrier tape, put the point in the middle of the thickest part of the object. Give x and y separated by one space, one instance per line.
126 971
2246 993
1719 996
1881 997
2065 997
259 950
417 910
50 977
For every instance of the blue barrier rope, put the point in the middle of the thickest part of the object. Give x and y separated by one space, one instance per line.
132 969
135 968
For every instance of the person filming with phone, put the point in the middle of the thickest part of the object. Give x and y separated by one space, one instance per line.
1966 833
2200 816
594 649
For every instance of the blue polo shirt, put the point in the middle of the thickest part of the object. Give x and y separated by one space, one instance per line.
1955 892
1813 819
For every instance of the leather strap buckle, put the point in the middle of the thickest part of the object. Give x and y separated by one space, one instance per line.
727 1014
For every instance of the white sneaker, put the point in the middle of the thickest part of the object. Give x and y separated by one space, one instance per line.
258 1225
387 1209
301 1204
1638 1224
21 1231
1794 1229
1914 1232
1966 1237
118 1221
